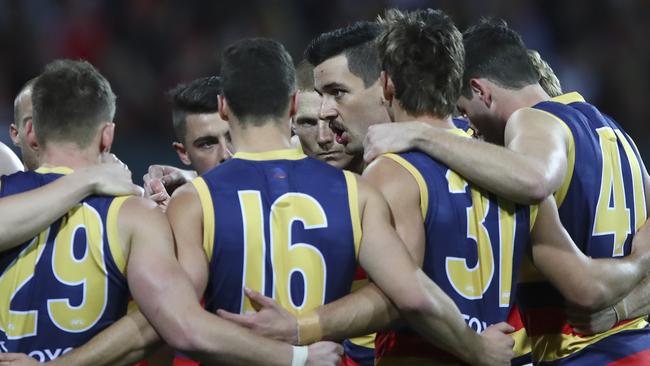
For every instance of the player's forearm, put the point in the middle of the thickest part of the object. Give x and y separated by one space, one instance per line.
609 281
441 323
31 212
504 172
364 311
212 340
126 342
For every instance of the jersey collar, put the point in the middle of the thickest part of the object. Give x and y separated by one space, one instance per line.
286 154
54 170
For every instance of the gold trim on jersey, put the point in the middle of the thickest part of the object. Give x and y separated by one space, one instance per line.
113 233
54 170
415 173
285 154
353 202
561 193
551 347
208 215
522 343
569 98
533 216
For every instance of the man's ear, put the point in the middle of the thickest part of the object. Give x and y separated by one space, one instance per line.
293 104
482 90
182 153
13 133
224 108
388 88
30 136
107 135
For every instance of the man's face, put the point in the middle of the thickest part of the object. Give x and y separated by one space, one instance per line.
348 106
207 142
482 119
316 137
22 115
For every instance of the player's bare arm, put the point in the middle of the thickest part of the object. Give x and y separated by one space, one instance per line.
585 282
9 162
28 218
531 167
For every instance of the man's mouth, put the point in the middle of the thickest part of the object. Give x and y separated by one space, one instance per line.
341 135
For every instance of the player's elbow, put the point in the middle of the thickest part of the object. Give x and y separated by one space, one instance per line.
184 336
535 187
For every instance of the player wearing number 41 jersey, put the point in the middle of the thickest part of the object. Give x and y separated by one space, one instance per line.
563 146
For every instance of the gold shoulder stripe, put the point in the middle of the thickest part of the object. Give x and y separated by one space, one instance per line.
424 191
353 203
561 193
208 215
113 233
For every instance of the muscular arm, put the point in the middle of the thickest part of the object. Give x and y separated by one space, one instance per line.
28 218
169 301
531 167
588 283
9 162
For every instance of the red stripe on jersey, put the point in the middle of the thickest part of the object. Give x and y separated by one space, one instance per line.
641 358
360 274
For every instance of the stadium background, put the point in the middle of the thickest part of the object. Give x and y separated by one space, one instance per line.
145 47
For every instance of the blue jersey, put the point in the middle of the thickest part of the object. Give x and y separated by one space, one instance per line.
64 286
282 224
474 245
601 204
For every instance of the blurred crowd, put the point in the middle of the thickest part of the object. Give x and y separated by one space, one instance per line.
145 47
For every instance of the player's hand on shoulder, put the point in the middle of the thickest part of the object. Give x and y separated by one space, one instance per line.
17 359
496 346
270 320
324 354
392 138
110 177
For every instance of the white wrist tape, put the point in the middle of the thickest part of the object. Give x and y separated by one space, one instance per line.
300 354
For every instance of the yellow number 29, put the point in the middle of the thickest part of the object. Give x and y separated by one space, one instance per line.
88 271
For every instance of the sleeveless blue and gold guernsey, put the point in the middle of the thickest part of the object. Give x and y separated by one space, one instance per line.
64 286
282 224
474 245
601 204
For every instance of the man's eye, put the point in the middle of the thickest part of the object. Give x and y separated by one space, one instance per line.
338 93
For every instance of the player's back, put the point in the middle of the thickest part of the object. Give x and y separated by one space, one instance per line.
65 285
281 224
601 204
474 246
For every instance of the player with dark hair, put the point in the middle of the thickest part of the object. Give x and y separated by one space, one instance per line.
203 138
74 272
562 146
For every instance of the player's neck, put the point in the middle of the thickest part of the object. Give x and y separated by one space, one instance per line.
68 155
525 97
256 139
400 115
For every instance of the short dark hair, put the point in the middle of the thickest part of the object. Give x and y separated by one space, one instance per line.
496 52
71 100
258 79
196 97
356 42
305 76
422 51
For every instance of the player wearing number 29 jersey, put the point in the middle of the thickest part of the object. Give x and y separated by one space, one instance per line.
601 204
65 285
281 224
